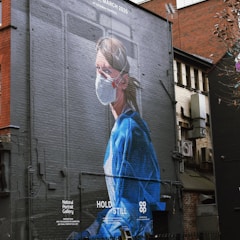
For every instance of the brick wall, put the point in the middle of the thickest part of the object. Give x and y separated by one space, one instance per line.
190 200
5 33
193 27
59 132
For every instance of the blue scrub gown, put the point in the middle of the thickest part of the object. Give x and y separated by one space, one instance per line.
133 180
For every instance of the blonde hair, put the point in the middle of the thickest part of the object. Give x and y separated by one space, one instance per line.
115 53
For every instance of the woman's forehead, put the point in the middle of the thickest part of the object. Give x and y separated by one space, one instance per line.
100 58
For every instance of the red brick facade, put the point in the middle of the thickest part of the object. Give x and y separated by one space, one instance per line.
190 200
5 52
193 27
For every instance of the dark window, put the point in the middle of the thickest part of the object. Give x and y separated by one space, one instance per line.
196 79
179 73
205 82
188 76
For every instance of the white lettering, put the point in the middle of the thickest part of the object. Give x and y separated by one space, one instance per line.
119 211
68 207
110 3
104 204
122 9
67 202
110 6
67 211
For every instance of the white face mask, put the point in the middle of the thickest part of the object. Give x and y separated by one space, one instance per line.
105 91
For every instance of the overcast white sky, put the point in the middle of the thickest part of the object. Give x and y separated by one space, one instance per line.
139 1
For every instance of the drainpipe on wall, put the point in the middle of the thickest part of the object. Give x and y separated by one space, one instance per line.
30 126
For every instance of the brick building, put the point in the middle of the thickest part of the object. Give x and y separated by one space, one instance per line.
54 131
193 25
5 60
194 140
196 50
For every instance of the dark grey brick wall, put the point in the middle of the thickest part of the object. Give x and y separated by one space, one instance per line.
63 129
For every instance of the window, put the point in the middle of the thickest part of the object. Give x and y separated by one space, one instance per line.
188 76
186 3
196 79
205 82
179 73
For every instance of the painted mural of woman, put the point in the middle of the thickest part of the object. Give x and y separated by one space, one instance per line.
130 164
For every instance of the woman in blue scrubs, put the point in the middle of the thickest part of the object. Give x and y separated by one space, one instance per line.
130 164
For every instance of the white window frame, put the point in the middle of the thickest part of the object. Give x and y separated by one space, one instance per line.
187 3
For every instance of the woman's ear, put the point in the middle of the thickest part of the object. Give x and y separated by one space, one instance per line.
124 81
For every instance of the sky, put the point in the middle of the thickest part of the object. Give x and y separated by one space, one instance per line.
139 1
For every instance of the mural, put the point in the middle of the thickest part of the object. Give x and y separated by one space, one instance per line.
130 164
92 108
